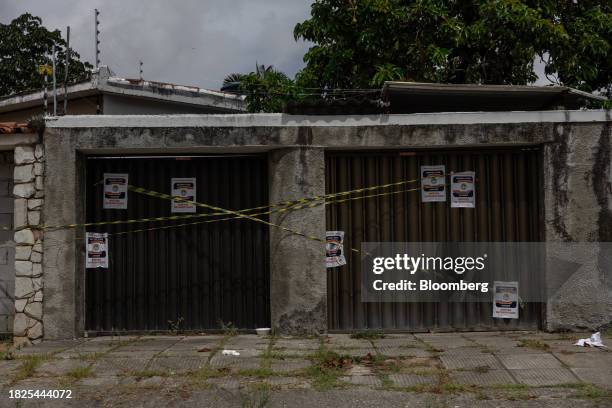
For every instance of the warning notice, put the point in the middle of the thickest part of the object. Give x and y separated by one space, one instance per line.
505 300
334 249
115 191
433 186
185 188
96 250
463 194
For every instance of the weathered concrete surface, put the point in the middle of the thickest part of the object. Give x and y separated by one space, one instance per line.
60 307
122 371
578 208
298 279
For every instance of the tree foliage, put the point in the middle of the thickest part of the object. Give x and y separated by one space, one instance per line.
267 89
25 44
362 43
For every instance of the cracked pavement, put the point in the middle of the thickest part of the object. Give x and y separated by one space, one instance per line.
443 369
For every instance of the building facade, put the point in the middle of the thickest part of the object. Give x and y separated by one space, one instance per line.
546 176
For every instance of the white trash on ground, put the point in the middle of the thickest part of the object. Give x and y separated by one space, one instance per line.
230 353
593 341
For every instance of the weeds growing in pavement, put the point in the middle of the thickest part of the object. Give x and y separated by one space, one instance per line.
80 372
534 344
30 364
368 335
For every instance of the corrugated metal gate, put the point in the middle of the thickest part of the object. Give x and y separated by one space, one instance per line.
200 275
508 208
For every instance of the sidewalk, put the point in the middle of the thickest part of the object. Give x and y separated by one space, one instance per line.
464 369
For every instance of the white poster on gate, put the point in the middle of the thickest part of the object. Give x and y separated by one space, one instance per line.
463 193
185 188
96 251
505 300
334 249
433 183
115 191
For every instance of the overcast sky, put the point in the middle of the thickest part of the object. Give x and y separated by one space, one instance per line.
190 42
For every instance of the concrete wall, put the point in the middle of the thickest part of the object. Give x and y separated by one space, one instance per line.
576 191
129 105
578 208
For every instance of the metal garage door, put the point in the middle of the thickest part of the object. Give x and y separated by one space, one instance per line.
7 250
508 208
199 275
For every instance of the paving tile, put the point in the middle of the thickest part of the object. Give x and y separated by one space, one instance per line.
47 347
491 377
600 359
355 352
235 362
287 382
58 368
294 352
344 340
544 376
397 342
123 354
286 366
370 380
299 344
247 342
597 376
99 381
411 380
529 361
470 361
229 383
176 364
118 366
403 352
447 343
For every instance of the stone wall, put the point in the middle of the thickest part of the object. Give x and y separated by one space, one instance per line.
29 197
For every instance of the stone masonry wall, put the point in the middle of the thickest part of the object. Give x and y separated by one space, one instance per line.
29 197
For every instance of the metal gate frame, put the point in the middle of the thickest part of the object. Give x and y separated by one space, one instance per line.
346 170
235 253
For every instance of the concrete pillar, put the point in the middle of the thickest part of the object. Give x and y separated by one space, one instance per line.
59 263
298 278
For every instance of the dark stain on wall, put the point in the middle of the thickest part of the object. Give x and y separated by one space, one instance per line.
559 152
601 183
304 321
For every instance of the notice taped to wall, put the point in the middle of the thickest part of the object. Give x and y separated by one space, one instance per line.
96 251
184 188
433 183
505 300
115 191
463 193
334 249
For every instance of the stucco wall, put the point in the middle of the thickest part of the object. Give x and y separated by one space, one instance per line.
578 204
576 193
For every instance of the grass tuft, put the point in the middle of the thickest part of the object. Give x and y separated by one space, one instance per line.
368 335
78 373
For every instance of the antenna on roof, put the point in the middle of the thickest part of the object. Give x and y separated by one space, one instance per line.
54 82
140 70
66 70
97 33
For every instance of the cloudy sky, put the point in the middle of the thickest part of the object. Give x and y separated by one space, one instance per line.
191 42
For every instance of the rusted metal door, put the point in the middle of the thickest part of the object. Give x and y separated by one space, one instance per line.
508 208
191 277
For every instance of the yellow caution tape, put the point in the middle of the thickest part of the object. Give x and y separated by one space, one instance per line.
253 215
282 206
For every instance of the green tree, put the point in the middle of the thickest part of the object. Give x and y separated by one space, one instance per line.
25 44
362 43
267 89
